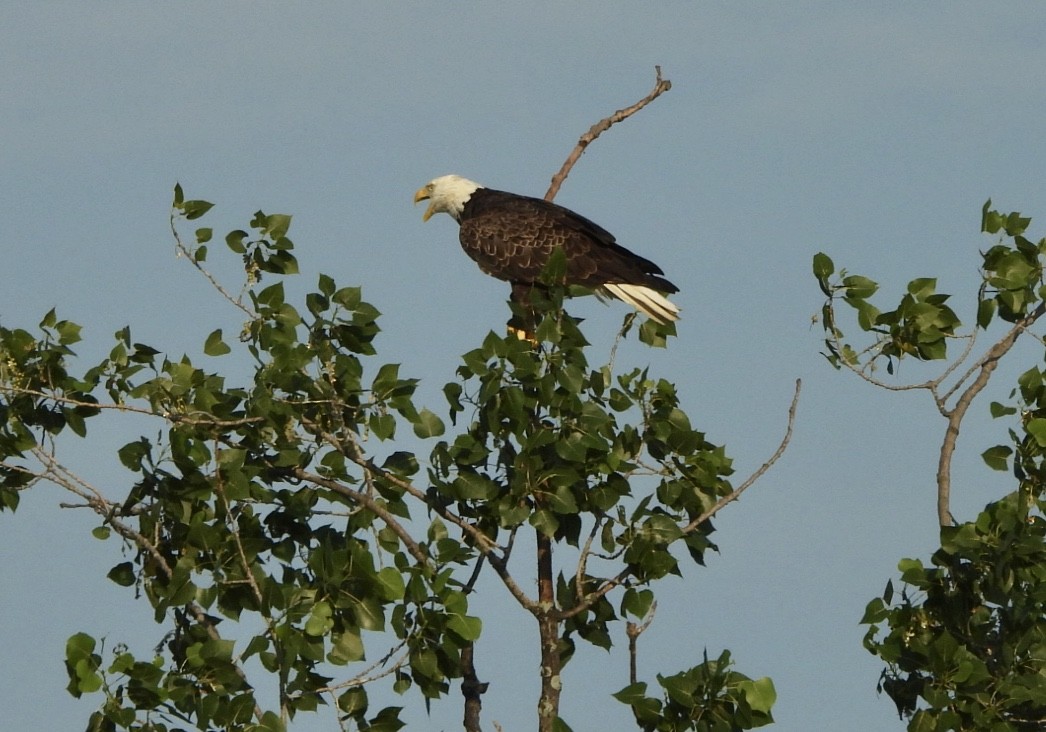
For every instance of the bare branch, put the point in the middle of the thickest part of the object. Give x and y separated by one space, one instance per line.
660 87
733 496
622 577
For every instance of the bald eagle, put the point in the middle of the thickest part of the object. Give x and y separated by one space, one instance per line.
512 237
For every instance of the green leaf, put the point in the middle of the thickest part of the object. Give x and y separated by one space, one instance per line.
326 285
874 612
195 209
346 647
382 425
428 425
859 287
1037 429
68 332
1001 410
823 266
661 529
101 532
353 702
474 487
319 622
998 457
234 240
544 521
215 346
123 574
637 603
985 313
79 645
922 287
465 626
562 501
391 583
632 693
760 694
277 225
656 334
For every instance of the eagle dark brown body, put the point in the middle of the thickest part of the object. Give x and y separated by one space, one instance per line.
512 237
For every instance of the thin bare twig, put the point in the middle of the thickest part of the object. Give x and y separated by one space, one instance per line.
660 87
419 554
622 577
187 253
736 493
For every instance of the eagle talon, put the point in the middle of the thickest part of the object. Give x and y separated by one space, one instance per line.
521 334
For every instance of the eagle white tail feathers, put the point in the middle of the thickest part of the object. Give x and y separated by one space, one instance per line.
649 302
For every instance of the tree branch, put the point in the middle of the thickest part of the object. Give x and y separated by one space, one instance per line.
987 365
370 504
733 496
187 253
660 87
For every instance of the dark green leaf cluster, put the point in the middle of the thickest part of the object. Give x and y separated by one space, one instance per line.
252 500
549 443
709 697
31 367
965 643
922 323
919 326
1012 270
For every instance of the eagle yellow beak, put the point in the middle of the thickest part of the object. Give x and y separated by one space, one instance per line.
423 195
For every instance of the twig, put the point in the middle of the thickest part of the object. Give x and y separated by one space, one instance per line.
660 87
187 253
633 631
582 562
370 504
368 674
734 495
195 418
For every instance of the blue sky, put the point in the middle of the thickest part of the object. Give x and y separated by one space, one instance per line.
873 132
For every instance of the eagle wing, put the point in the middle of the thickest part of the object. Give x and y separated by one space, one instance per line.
512 237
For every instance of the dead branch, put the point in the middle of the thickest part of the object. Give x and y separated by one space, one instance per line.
660 87
736 493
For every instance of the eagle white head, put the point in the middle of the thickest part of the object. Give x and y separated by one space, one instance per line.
446 194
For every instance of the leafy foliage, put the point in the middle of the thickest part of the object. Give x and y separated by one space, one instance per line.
964 642
967 636
706 698
273 533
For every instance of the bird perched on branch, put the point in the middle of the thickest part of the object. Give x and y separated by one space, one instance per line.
512 237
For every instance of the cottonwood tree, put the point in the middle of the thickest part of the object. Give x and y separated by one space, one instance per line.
964 641
312 530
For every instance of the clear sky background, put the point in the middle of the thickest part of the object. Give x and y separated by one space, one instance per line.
871 131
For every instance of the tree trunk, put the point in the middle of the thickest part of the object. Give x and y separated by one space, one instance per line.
548 631
471 688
